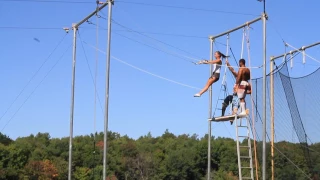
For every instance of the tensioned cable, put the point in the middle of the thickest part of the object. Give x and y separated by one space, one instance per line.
159 41
132 20
135 3
187 8
281 37
143 32
292 163
142 70
90 71
35 88
40 28
50 1
176 55
34 75
173 54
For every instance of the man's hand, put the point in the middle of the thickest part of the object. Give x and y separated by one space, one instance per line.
249 89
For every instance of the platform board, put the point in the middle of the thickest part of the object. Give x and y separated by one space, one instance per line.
228 118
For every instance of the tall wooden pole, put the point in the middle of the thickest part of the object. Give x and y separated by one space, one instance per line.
272 118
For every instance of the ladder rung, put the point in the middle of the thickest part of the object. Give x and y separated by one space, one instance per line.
246 167
243 136
243 126
247 157
246 178
244 146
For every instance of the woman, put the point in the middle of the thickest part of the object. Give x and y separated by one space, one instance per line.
215 73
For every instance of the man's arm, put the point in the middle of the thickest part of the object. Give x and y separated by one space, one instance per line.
235 74
240 74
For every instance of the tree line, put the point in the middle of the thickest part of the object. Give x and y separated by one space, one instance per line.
166 157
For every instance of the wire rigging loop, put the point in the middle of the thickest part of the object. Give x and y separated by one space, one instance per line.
303 51
303 55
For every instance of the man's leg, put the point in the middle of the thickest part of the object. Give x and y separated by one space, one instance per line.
225 104
241 92
242 106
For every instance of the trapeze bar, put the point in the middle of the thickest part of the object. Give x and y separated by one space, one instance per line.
294 51
227 118
90 15
244 25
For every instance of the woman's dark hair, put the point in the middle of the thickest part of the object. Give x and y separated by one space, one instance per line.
222 55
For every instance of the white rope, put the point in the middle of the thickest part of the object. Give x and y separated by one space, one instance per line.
225 69
244 31
304 56
142 70
304 53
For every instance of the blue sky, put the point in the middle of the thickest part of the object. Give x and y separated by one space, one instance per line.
139 103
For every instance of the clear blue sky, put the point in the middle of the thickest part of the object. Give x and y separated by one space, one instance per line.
139 103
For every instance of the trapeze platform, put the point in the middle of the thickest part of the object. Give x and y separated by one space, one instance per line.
229 117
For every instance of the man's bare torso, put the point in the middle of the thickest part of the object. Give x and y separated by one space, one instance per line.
245 74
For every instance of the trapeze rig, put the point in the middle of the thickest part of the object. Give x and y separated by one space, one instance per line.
236 117
75 26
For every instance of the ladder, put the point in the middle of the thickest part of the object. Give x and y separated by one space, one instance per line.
223 89
244 151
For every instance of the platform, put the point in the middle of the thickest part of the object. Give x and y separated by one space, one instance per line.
229 117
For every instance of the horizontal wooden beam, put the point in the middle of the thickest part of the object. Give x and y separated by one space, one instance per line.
229 117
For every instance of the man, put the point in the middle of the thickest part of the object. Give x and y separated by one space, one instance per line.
242 85
230 99
233 100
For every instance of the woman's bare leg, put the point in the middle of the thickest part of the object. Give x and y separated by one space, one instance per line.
210 81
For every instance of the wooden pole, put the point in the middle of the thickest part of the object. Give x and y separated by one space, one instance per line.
272 118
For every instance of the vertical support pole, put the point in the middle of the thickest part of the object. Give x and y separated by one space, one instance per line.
72 99
110 3
264 114
210 114
272 117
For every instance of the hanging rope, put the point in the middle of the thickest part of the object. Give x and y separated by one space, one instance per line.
243 34
246 34
224 85
95 91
